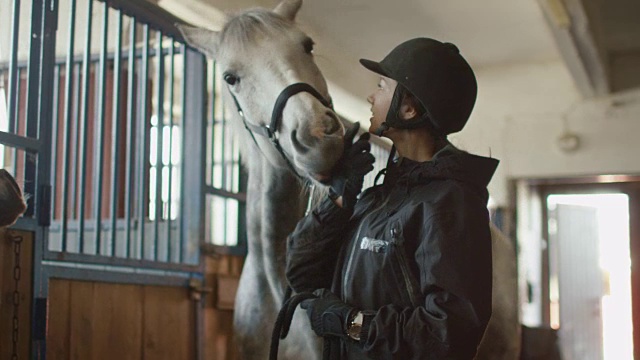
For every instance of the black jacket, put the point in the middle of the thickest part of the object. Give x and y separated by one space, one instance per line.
415 253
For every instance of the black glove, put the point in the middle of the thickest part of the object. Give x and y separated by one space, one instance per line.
328 314
348 174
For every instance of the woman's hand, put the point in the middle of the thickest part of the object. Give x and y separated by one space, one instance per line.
348 174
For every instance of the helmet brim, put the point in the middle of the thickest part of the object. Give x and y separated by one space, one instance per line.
375 66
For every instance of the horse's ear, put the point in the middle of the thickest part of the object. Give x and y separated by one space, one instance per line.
199 38
288 8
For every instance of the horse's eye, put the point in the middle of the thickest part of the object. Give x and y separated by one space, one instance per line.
308 45
230 79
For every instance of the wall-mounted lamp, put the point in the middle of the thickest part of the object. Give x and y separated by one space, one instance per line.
568 141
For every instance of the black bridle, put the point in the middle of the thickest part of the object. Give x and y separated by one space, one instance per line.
271 130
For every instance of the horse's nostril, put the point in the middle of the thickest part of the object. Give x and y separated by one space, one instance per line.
332 125
300 148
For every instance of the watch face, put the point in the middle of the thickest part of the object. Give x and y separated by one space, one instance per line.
354 331
355 328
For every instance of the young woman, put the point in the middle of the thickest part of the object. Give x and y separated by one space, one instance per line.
403 272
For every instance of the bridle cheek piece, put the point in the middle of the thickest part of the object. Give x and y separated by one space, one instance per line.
271 130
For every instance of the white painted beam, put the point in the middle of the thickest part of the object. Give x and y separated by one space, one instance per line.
574 36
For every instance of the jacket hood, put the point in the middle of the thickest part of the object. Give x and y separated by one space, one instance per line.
448 163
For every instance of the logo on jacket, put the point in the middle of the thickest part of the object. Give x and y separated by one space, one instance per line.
375 245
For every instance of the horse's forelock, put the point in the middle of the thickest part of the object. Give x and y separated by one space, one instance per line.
243 29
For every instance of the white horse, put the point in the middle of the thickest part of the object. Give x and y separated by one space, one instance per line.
261 53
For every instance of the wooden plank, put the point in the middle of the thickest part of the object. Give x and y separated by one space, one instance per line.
218 323
227 287
218 332
80 320
58 329
117 321
168 324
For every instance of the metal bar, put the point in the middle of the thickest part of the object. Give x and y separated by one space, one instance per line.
183 118
240 196
159 136
73 186
213 122
20 142
123 276
115 134
170 164
211 249
236 166
39 126
131 108
242 210
149 13
93 58
129 152
54 134
99 133
195 132
14 74
15 121
223 160
142 136
115 261
26 224
84 119
33 101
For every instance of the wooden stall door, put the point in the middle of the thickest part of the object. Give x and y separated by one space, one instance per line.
95 321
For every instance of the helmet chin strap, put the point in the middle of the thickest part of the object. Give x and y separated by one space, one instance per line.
394 121
381 129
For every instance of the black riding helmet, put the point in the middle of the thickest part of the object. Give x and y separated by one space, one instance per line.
436 75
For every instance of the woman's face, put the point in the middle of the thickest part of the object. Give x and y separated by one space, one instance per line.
380 101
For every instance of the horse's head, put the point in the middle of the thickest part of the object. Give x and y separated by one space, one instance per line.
260 53
11 201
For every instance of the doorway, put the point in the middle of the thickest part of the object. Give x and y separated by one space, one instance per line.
578 239
590 275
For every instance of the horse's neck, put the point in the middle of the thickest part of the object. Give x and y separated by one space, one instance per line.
274 207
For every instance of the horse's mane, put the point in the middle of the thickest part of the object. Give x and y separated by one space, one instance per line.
244 29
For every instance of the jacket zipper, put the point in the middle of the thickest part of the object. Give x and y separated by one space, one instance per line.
355 244
402 260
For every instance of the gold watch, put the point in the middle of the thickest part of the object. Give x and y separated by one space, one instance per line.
355 326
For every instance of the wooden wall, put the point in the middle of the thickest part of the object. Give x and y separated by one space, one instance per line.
7 284
222 272
93 320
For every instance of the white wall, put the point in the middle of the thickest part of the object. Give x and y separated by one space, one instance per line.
521 111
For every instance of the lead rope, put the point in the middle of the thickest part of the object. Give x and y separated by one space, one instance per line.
283 321
289 304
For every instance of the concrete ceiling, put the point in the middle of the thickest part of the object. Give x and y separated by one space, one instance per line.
599 40
617 24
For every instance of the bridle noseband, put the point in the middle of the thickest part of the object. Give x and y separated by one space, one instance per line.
271 130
